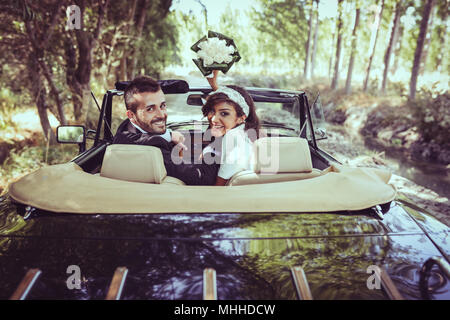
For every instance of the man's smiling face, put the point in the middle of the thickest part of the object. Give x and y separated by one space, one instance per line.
151 113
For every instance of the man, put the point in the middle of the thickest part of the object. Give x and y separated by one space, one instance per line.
146 125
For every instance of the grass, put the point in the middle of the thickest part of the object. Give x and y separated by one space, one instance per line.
30 158
21 131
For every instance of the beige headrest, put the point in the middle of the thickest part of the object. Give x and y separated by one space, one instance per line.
282 155
134 163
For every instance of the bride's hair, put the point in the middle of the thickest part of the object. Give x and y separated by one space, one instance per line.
251 121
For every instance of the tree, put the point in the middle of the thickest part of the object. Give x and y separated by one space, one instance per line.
348 82
399 9
334 83
231 25
39 42
26 26
308 42
330 61
161 39
40 55
138 34
139 27
316 33
79 57
397 48
419 48
440 53
427 44
373 42
283 25
126 31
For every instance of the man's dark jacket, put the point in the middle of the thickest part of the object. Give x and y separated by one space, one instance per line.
191 174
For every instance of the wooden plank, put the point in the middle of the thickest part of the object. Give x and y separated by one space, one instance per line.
301 284
26 284
209 284
117 284
389 286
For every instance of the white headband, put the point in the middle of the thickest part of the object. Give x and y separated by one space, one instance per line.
235 96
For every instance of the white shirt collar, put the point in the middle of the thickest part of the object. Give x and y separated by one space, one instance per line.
137 127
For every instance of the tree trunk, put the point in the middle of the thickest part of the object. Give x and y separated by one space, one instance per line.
79 77
316 32
398 48
139 28
38 93
387 55
81 100
330 63
348 82
442 58
426 47
308 44
376 26
334 83
123 70
82 75
418 53
38 47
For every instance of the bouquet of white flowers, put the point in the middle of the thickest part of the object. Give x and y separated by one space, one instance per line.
215 52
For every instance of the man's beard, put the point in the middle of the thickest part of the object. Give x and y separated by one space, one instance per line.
150 128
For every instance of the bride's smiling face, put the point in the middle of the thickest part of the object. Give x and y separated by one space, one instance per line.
223 118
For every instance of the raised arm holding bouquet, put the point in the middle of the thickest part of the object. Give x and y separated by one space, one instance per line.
213 80
234 124
215 52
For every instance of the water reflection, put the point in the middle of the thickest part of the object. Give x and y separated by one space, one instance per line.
336 268
252 254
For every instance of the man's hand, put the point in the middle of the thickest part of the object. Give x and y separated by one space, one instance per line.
178 139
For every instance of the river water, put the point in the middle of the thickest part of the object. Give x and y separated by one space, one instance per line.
432 176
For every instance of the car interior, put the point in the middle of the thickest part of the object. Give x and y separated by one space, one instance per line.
297 158
292 161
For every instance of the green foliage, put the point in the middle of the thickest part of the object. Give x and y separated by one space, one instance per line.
439 38
285 27
230 25
432 115
398 88
158 47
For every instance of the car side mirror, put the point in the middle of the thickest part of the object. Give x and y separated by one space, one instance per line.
320 133
72 134
195 100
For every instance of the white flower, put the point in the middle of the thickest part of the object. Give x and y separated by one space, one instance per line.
215 50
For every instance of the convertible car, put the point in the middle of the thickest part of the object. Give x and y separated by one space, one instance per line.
300 226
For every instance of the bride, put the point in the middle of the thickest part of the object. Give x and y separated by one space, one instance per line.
233 123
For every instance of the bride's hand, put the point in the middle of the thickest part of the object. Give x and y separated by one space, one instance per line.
213 80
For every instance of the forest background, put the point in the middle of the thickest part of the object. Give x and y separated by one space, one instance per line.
381 66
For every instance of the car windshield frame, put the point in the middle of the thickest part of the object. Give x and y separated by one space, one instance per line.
298 99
